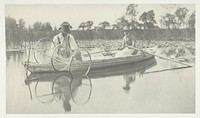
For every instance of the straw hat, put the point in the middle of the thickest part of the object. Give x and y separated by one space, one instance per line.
65 27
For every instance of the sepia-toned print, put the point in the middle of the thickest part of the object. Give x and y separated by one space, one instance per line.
100 58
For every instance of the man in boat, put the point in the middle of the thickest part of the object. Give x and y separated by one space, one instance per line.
127 44
65 41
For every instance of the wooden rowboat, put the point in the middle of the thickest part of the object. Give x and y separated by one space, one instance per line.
95 64
126 69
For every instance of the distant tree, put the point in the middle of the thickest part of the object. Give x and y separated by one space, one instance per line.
21 24
83 25
89 25
191 21
143 17
48 26
104 24
181 14
148 18
21 32
30 34
11 28
39 30
129 18
168 21
37 26
133 25
121 22
114 26
131 12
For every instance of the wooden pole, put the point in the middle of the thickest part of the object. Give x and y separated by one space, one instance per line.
163 57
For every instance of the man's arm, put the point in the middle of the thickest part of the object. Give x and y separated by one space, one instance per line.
73 44
133 41
54 43
122 46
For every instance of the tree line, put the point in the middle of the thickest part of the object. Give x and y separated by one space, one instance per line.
17 33
176 20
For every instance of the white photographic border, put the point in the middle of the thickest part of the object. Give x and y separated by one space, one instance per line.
161 115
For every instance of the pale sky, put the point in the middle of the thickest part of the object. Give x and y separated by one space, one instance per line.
77 13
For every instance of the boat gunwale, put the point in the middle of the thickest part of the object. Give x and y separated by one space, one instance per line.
99 64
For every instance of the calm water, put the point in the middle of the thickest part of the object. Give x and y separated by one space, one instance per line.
129 89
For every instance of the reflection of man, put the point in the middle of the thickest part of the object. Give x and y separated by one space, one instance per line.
62 90
128 79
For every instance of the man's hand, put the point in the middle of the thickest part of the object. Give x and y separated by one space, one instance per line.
59 47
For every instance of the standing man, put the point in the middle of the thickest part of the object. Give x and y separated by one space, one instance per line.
66 42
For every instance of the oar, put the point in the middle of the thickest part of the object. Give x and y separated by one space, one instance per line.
162 57
156 71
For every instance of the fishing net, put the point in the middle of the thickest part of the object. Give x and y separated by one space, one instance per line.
58 60
80 63
41 50
78 89
81 89
61 88
43 92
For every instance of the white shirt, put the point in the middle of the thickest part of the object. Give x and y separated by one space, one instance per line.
66 42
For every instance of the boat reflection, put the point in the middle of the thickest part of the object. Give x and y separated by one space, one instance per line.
65 89
62 89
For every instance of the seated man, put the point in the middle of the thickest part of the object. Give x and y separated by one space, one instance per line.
128 41
67 44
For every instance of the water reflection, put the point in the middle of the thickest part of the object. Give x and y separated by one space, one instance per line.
65 89
61 88
128 80
104 92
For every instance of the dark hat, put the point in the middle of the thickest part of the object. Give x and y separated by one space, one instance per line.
65 27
